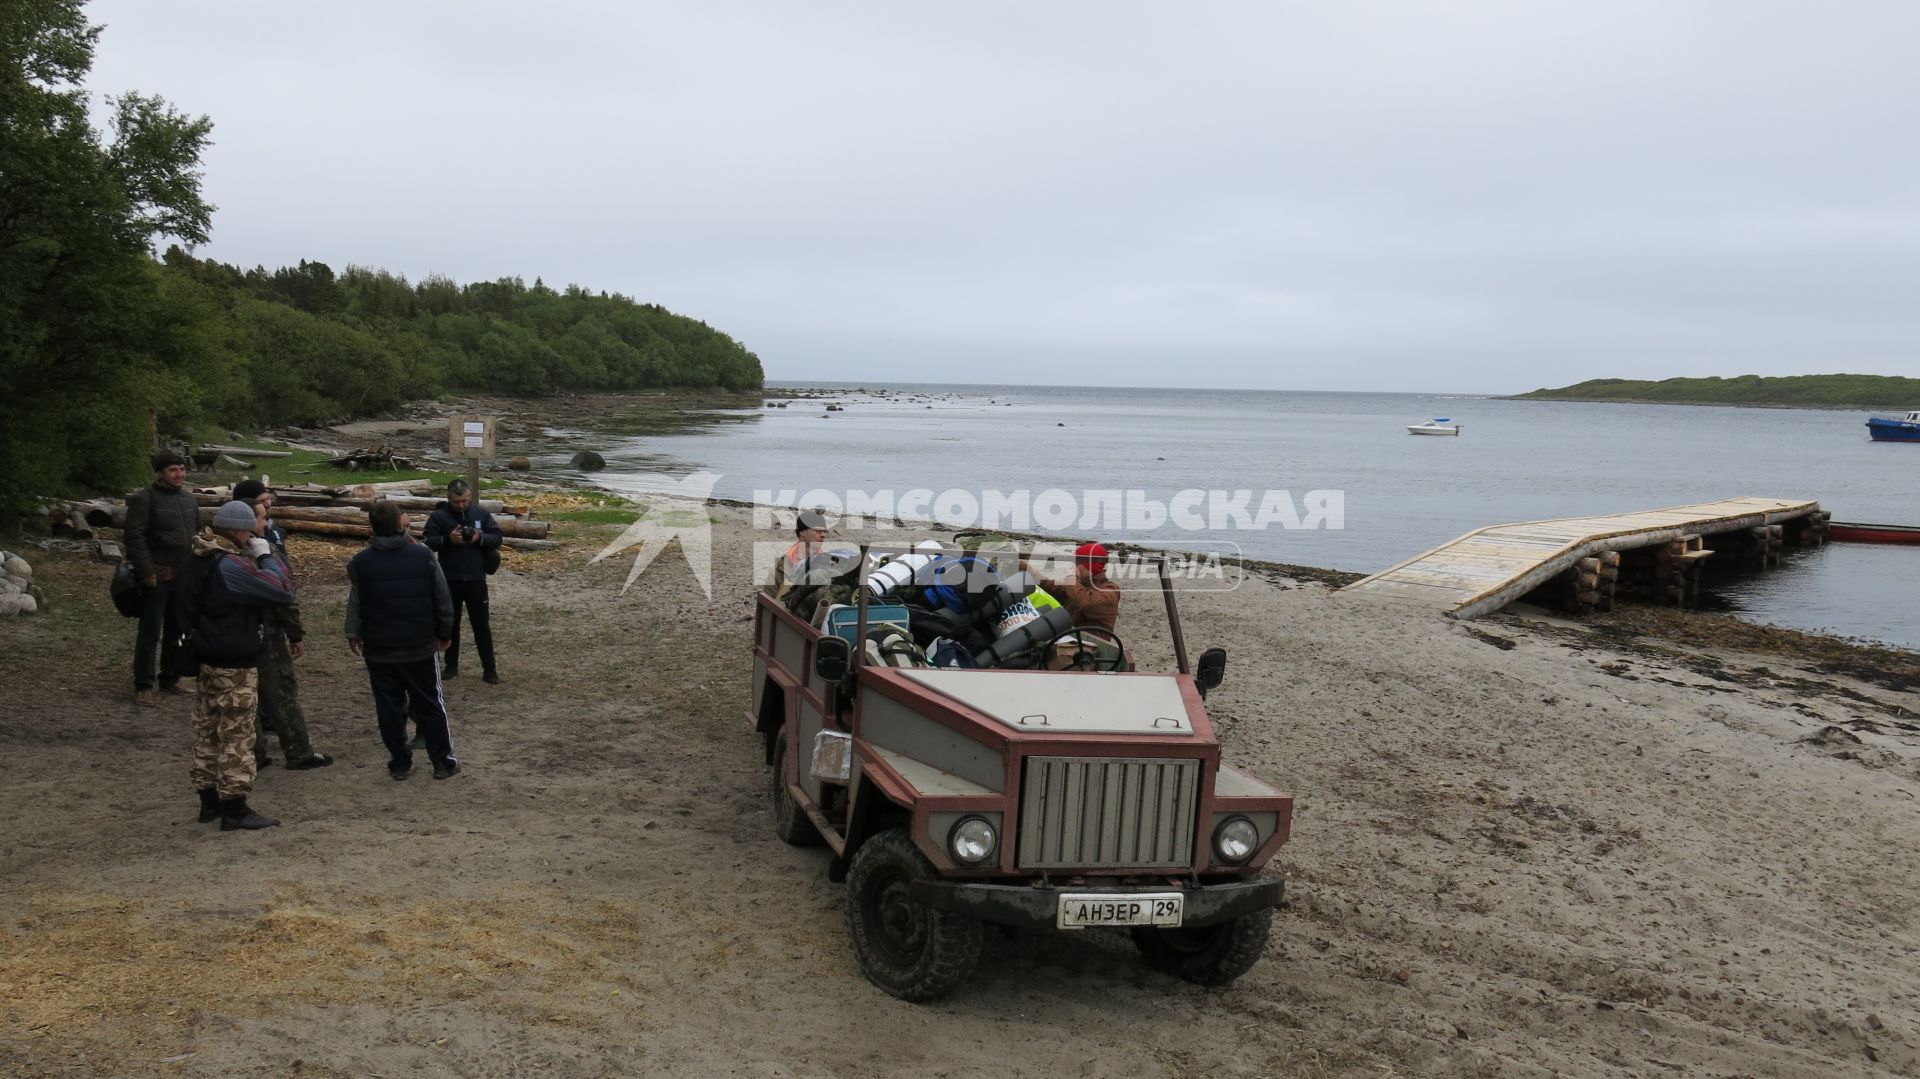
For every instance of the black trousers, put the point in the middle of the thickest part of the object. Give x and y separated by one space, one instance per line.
153 634
410 689
471 597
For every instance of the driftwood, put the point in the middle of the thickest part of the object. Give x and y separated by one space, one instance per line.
392 487
242 451
383 457
354 518
72 524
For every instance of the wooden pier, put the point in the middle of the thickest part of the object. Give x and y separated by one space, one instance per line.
1579 561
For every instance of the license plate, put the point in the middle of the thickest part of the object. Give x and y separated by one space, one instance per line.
1086 910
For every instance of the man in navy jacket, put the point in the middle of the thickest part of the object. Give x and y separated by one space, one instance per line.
466 537
399 619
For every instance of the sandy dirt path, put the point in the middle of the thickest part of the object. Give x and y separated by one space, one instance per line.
1520 850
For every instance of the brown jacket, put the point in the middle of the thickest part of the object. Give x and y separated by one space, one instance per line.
161 525
1096 603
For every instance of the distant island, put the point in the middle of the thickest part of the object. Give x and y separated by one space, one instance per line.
1872 392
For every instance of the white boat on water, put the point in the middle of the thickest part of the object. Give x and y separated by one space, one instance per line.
1440 425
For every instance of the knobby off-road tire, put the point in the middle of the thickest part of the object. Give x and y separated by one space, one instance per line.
1210 954
903 946
790 822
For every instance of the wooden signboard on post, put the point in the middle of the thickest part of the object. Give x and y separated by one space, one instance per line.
471 437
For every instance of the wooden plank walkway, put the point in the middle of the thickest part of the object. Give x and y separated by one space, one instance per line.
1488 568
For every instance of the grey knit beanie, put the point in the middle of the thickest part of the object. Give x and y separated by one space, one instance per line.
234 517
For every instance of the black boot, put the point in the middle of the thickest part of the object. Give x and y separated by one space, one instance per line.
209 805
234 814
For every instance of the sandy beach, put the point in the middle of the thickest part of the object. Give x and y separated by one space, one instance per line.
1523 848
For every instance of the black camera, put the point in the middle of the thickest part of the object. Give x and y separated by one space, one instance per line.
467 533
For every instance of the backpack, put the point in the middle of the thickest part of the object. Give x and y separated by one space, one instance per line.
124 589
956 583
236 638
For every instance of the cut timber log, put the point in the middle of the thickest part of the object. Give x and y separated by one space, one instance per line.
295 520
531 544
333 528
244 452
424 503
394 487
71 524
236 462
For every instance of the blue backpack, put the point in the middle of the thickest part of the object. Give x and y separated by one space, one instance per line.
956 582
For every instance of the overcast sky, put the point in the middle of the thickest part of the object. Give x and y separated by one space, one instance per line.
1469 196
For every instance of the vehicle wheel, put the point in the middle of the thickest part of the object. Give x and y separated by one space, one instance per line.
790 822
903 946
1208 954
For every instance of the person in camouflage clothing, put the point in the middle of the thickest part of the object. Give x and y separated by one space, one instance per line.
279 691
231 578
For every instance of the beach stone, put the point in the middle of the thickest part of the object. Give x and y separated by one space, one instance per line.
39 597
17 567
12 586
520 464
588 461
11 604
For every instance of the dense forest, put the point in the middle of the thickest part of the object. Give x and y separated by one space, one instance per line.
1787 391
302 344
106 349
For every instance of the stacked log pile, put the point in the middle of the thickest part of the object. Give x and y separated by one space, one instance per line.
314 510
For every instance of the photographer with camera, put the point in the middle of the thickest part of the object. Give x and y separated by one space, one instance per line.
467 540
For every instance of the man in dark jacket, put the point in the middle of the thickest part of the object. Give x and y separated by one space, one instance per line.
162 520
231 579
399 618
466 536
280 710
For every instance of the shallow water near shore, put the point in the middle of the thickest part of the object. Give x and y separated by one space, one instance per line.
1514 461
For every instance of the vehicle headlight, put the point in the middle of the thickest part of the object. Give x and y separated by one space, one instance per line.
971 841
1235 840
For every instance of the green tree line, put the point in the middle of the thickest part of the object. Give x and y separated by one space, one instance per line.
303 344
1785 391
106 349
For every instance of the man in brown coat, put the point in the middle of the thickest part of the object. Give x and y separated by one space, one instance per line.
162 520
1091 598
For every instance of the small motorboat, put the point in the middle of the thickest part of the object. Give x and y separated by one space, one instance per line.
1439 425
1902 430
1858 533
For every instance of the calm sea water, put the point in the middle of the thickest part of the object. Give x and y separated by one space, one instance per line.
1515 461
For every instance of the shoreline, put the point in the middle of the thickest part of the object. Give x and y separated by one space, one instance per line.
1521 845
1694 404
532 416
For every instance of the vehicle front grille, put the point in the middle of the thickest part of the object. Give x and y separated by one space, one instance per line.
1107 812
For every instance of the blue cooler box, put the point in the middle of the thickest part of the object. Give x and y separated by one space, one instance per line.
843 619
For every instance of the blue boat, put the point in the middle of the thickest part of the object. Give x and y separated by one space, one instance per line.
1906 430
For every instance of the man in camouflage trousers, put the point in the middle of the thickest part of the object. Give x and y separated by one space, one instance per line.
232 577
279 690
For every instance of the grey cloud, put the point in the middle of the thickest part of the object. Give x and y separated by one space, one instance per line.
1475 196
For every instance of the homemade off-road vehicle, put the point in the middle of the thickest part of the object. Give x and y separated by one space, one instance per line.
1040 798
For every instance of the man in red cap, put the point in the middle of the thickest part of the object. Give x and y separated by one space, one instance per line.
1090 597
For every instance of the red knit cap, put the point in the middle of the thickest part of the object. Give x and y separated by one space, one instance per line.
1091 555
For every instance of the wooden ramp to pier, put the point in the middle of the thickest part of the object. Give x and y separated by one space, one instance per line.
1488 568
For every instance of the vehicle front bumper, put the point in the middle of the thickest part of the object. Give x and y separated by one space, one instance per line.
1038 907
